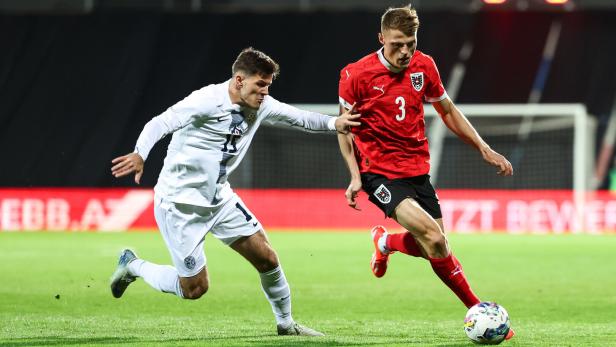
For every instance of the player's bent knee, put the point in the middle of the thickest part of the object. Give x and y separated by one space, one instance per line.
195 292
434 240
268 263
195 287
439 241
437 244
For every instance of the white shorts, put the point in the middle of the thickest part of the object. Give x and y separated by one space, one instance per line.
184 227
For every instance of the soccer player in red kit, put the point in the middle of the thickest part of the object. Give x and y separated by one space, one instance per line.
388 154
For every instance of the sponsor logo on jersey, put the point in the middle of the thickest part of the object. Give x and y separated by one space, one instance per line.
381 88
417 80
383 194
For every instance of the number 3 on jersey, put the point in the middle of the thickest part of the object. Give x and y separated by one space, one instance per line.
400 101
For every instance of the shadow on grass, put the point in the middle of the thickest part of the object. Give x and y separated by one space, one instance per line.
245 340
64 341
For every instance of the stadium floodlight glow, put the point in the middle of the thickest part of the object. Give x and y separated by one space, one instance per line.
494 2
556 2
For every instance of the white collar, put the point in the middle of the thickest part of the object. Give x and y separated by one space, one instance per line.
388 64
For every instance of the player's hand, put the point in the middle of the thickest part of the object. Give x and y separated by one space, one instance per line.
127 164
346 120
495 159
351 194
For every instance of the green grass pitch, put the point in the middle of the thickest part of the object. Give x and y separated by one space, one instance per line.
559 291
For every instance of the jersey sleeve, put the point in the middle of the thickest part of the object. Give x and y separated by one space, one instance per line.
347 87
194 106
280 113
435 91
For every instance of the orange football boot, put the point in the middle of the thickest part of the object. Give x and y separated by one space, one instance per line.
379 260
510 334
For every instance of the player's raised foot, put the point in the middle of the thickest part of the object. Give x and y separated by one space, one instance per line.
379 260
121 278
510 334
298 329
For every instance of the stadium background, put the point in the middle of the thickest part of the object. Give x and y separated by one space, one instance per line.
79 79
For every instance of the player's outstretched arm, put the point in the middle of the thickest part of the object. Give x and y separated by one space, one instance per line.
345 141
459 125
280 113
127 164
174 118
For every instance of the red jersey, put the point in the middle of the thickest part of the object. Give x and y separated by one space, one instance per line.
391 140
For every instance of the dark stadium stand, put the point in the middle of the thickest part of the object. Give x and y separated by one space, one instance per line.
77 89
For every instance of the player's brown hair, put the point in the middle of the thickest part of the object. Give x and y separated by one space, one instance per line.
404 19
254 62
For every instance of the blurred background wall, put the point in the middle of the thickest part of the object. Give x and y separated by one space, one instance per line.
79 79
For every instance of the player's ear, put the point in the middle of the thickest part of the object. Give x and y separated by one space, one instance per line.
238 79
381 38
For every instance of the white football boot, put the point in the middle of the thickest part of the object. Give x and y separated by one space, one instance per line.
121 278
298 329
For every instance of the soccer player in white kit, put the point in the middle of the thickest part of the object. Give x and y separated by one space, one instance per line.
212 130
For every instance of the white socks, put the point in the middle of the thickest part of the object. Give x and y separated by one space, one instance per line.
277 291
163 278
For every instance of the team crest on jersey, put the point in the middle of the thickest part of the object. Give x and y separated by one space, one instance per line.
383 194
417 80
251 117
190 262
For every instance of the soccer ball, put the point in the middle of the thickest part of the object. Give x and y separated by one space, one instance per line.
487 323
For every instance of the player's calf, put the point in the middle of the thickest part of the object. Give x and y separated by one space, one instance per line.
450 271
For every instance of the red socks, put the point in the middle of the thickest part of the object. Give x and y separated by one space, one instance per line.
449 270
403 242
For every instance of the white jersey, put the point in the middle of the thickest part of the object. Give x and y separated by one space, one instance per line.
210 137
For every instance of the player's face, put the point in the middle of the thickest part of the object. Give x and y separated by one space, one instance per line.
398 47
254 89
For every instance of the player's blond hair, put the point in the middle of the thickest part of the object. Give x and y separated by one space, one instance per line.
404 19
